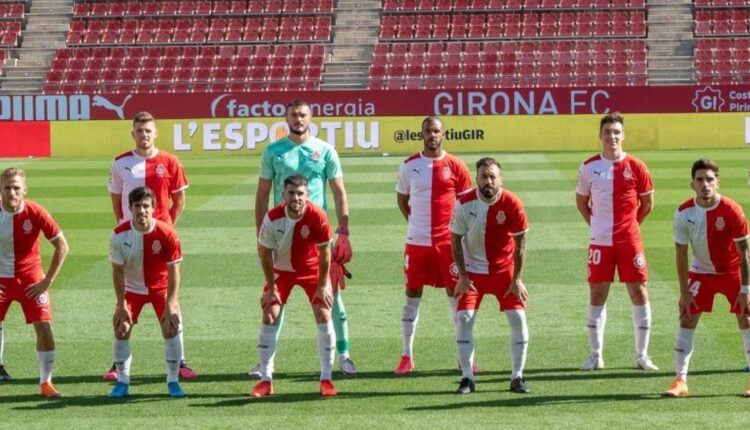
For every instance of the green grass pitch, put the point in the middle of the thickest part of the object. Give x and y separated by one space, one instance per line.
221 288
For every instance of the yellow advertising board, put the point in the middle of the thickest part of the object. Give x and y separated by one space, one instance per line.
480 133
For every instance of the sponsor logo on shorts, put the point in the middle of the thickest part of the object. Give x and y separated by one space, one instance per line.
454 270
720 223
639 261
627 173
27 226
447 173
500 217
156 247
42 299
305 231
161 170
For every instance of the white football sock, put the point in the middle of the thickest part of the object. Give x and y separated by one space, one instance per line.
326 349
409 318
683 349
172 354
596 322
452 307
122 358
746 343
519 340
182 345
267 350
465 341
2 343
46 358
641 329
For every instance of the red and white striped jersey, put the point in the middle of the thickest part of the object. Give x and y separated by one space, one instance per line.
614 188
488 230
295 241
161 172
433 185
711 233
19 240
145 255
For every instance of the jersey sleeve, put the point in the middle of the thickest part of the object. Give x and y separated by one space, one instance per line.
402 183
266 165
47 224
179 180
680 229
584 182
323 230
458 220
463 178
739 227
645 185
174 250
519 223
266 236
115 251
115 180
333 165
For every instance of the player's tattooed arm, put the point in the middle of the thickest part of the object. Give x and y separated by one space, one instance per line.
519 256
743 246
464 283
403 205
584 207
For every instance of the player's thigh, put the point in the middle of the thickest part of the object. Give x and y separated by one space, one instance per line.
703 288
284 283
420 266
136 302
601 264
631 262
472 299
499 286
11 290
158 300
34 308
729 286
446 268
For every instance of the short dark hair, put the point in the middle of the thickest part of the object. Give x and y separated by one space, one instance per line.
295 181
488 162
140 193
704 164
11 172
143 117
296 103
431 119
611 118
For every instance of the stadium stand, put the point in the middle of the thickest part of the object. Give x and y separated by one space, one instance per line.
192 46
510 43
722 44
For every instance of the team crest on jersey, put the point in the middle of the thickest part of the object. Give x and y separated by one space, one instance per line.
500 217
720 223
28 226
639 261
305 231
447 172
42 299
627 173
315 155
160 170
453 271
156 247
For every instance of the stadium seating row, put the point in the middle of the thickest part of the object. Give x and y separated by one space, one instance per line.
504 82
722 22
198 31
390 6
513 25
721 3
178 87
201 8
12 10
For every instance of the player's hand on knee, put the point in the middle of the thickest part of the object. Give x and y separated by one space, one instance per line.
170 324
518 289
35 290
463 285
342 250
743 302
325 295
121 317
687 304
270 297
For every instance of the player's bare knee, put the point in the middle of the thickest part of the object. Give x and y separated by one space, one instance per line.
449 291
689 323
122 332
743 322
322 315
414 293
638 293
43 328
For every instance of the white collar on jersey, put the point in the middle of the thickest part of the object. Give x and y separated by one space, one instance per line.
494 200
19 210
153 226
153 154
624 154
715 205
